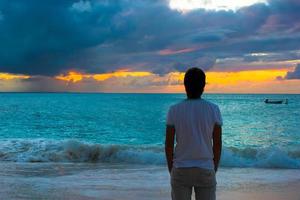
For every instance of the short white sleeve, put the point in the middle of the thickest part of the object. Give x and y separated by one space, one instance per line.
218 116
170 118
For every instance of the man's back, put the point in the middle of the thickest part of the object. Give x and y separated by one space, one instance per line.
196 124
194 121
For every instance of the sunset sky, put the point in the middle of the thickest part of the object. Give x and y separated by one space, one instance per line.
246 46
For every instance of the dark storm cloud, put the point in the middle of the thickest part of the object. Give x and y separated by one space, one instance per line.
51 37
39 37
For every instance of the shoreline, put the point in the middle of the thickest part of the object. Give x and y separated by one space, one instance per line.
78 181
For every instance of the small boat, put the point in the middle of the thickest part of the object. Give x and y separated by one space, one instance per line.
276 101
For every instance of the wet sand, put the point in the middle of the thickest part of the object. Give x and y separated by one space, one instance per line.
130 182
283 191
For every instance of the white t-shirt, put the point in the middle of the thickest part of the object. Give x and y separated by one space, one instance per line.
194 121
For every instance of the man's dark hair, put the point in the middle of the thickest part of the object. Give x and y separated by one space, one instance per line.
194 82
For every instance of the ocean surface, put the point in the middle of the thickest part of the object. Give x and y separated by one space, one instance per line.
130 128
111 146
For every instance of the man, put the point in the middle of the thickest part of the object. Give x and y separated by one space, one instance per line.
196 124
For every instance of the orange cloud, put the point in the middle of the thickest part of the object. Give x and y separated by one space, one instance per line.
103 77
76 76
216 78
229 78
7 76
72 77
252 81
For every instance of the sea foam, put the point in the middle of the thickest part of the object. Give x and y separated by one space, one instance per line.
75 151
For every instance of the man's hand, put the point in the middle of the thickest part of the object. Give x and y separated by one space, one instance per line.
217 145
169 146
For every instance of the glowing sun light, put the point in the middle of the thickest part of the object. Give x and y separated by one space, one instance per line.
186 5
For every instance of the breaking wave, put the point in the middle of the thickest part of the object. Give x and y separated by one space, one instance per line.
75 151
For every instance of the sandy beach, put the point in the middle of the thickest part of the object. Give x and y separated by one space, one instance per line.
288 190
109 182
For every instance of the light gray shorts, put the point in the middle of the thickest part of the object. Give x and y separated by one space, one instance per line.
183 180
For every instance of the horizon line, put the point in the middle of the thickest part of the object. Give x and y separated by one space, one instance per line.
70 92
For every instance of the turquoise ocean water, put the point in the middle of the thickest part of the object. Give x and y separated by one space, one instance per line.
130 128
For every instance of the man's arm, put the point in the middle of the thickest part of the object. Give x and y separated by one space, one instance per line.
217 145
169 146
